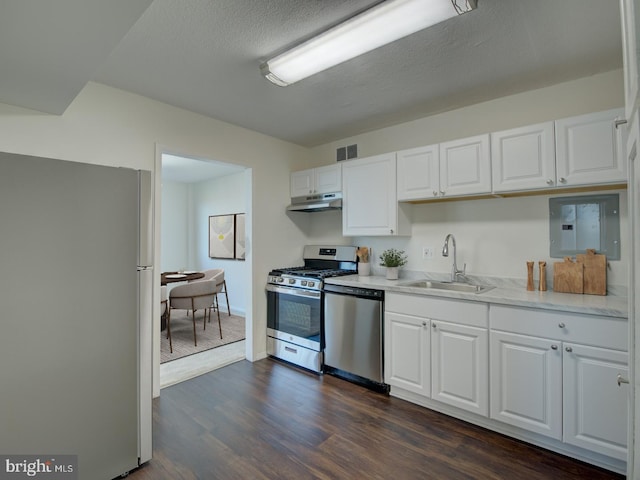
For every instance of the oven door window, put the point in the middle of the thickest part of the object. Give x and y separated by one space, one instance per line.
295 315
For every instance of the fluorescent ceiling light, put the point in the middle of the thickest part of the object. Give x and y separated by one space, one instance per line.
382 24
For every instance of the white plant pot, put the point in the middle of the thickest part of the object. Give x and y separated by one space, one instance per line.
364 269
392 273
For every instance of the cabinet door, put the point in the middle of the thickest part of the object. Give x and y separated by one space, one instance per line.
589 150
526 382
595 408
328 179
407 359
369 204
523 158
301 183
418 173
465 166
460 366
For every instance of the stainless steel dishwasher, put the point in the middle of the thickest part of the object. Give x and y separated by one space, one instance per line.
353 334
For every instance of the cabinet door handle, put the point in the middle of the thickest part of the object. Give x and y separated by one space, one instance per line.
391 231
433 325
554 347
569 349
563 180
621 380
561 325
442 192
424 324
435 193
549 182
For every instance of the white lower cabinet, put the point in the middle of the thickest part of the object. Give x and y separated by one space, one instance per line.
459 366
408 359
547 377
438 349
556 374
526 382
595 406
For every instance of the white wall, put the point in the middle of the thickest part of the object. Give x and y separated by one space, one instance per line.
186 208
494 236
108 126
589 94
221 196
175 227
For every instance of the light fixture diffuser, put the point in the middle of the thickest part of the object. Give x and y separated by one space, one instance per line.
382 24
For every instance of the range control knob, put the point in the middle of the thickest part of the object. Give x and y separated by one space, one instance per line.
292 281
303 283
311 284
280 280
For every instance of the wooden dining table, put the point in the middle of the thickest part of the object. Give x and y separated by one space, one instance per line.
174 277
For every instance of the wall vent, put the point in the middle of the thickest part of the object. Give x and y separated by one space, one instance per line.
347 153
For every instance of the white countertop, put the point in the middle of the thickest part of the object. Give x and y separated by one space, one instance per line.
606 305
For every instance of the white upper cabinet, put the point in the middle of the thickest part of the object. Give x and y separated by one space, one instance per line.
369 204
316 181
465 167
576 151
523 158
328 179
589 149
457 168
419 173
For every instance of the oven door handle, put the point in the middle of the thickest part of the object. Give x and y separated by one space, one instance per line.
297 292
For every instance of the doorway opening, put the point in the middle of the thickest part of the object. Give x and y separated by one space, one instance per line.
192 190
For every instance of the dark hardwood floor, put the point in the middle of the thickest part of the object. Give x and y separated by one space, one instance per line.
266 420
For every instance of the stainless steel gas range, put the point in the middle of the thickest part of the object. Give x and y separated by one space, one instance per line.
295 304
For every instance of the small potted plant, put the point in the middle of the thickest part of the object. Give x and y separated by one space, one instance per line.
393 259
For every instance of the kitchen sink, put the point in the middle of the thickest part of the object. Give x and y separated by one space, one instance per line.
451 286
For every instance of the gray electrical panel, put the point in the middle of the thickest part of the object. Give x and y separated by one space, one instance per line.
579 223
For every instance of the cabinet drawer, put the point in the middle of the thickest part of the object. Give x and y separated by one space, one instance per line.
608 332
458 311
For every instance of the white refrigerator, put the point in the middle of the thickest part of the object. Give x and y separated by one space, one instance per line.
76 283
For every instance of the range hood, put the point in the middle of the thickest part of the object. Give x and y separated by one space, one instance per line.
316 203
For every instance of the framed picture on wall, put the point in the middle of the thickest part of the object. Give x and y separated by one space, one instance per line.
240 237
222 236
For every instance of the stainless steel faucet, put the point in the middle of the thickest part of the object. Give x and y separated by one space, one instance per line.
455 273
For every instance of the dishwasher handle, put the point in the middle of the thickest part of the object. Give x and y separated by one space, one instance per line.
355 291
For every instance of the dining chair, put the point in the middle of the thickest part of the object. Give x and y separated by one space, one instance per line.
192 297
218 274
164 304
222 283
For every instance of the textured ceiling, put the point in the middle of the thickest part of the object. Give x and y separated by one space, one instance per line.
204 55
50 50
